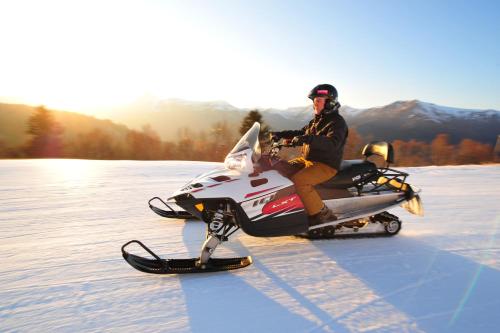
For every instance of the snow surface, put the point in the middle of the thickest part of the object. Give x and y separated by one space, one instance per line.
62 223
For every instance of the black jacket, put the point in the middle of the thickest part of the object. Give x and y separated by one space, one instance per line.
327 136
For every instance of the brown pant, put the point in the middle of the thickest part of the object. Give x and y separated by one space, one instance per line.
309 174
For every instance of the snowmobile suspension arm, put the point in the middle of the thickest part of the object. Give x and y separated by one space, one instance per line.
208 248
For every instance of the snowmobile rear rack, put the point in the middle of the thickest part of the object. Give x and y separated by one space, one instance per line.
170 213
180 266
386 177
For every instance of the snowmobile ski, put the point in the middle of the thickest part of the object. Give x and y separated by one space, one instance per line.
171 212
180 266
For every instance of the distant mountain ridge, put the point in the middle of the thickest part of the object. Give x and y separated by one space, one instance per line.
404 120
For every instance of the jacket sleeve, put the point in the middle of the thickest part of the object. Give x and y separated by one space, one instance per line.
333 140
292 133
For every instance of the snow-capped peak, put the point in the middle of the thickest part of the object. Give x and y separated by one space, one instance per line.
438 113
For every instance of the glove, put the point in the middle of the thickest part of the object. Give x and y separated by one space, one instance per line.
274 136
300 140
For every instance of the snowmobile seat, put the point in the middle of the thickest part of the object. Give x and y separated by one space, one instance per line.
352 172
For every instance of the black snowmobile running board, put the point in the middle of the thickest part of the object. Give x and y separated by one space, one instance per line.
181 266
171 213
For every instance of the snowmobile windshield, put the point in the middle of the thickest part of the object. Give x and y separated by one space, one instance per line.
250 140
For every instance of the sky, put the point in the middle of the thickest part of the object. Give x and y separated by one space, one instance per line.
86 56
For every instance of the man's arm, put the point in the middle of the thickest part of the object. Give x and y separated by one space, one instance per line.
290 134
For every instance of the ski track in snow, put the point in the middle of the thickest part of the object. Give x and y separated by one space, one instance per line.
62 223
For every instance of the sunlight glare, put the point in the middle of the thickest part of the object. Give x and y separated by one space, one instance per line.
76 59
69 172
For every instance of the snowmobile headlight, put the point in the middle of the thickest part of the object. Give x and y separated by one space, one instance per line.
199 207
236 162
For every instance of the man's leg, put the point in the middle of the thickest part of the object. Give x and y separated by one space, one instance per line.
290 168
312 174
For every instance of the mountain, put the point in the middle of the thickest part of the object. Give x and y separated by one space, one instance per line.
14 124
168 117
404 120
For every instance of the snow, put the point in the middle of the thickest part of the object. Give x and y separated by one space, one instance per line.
430 111
302 114
439 113
62 223
350 111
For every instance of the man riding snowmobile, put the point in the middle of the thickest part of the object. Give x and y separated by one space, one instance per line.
250 192
322 142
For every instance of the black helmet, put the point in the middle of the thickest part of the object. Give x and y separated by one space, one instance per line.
328 91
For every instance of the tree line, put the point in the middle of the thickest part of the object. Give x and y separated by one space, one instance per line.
212 144
441 152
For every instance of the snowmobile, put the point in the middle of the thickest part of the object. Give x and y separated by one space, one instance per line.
243 194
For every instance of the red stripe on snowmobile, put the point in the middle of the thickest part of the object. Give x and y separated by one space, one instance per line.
213 185
286 203
255 193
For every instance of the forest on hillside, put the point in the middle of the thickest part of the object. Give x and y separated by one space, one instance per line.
46 140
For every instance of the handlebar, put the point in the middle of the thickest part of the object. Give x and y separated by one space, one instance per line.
282 143
277 145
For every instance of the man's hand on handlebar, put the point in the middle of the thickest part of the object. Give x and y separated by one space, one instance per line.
274 136
300 140
296 141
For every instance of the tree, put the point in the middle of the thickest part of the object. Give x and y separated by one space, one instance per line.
496 150
95 144
442 151
167 150
252 117
223 141
411 153
46 134
200 146
184 148
3 150
473 152
352 149
145 145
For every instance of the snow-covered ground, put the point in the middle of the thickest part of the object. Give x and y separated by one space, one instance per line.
62 223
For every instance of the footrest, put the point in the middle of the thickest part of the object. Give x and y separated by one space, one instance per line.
170 213
181 266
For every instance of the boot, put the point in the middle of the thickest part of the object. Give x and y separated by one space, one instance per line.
324 215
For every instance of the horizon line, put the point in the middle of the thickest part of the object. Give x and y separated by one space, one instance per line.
158 100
